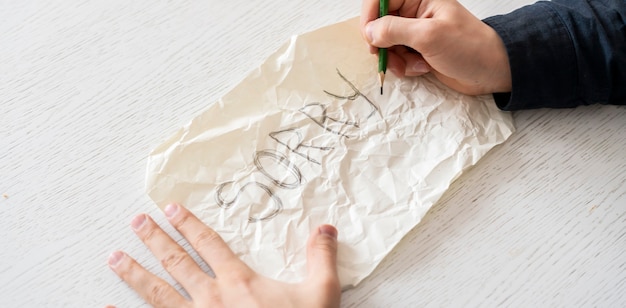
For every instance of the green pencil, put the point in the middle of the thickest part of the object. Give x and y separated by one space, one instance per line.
382 52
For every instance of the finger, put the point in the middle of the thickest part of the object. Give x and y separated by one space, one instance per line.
397 61
414 63
322 258
395 64
373 50
151 288
369 12
388 31
174 258
209 245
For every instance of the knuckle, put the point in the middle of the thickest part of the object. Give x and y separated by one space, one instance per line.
205 238
241 280
174 260
182 221
157 293
129 271
149 234
326 245
125 272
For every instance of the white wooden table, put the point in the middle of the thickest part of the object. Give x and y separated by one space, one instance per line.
88 88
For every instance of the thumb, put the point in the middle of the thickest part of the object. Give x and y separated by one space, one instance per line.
322 255
392 30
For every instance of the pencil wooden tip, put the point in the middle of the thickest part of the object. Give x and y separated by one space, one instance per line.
381 78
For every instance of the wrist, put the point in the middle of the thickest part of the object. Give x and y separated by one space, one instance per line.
500 79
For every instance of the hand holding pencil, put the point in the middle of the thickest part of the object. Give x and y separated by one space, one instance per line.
439 37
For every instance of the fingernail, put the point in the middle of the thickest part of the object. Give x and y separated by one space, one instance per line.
419 67
116 258
171 210
328 230
138 222
368 32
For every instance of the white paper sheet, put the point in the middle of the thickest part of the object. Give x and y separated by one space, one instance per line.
307 139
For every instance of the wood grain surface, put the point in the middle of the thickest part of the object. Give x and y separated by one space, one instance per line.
88 88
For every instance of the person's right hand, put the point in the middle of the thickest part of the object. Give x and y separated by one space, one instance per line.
459 49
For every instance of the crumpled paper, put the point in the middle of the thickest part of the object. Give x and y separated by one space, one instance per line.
307 139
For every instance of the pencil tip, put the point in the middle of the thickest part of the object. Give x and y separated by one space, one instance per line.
381 90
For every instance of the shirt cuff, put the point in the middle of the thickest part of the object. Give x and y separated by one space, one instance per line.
541 56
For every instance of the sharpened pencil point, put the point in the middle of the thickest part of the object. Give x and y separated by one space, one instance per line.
382 52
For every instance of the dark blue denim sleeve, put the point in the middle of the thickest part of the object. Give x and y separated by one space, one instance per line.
564 53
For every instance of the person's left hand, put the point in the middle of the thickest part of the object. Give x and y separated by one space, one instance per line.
235 284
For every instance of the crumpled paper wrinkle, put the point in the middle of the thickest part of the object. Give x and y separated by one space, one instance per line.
306 139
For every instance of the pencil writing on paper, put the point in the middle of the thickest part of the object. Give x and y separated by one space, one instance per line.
279 170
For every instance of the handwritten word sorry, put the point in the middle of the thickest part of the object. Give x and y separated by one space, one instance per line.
282 172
